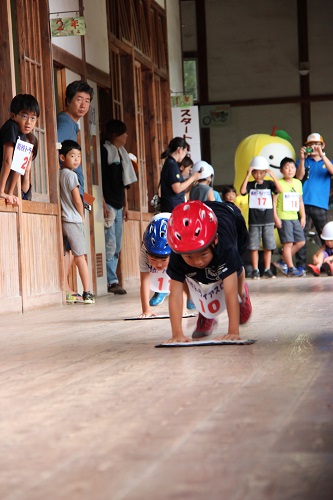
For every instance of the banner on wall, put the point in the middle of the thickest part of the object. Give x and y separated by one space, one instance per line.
185 123
68 26
182 101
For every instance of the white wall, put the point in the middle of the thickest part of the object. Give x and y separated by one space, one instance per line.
70 43
188 20
97 52
174 47
252 53
96 38
251 46
320 21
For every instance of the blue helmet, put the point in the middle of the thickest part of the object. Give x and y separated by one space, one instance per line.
155 237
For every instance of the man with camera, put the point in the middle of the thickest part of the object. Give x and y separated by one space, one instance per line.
314 169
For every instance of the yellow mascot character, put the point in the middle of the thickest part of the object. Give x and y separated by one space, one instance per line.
273 147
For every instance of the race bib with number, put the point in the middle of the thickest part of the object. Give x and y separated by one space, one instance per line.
260 199
209 299
21 156
290 202
159 281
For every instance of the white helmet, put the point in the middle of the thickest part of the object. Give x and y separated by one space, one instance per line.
207 169
314 137
327 233
259 163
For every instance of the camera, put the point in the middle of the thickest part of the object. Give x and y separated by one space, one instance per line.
308 150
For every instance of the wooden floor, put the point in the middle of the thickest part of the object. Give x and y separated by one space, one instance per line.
90 410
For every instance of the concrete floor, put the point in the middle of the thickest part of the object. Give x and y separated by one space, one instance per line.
90 410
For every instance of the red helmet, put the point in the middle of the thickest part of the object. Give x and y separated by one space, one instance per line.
192 227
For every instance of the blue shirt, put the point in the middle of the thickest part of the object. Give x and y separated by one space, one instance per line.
316 189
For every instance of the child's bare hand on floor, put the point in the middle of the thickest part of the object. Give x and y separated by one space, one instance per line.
147 315
183 338
228 336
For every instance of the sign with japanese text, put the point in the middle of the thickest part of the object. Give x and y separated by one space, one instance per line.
68 26
21 156
185 123
215 116
182 101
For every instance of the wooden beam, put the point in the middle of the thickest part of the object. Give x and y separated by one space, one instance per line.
203 72
52 155
5 63
64 58
303 55
273 100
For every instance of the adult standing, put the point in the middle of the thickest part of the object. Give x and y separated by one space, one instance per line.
79 95
174 187
314 170
117 175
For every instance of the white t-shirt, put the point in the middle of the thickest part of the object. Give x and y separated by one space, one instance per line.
159 280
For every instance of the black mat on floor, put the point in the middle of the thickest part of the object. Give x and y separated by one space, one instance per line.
159 316
201 343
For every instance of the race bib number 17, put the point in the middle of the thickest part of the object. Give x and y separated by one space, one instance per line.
260 198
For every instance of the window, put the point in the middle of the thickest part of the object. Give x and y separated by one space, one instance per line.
191 78
141 137
30 50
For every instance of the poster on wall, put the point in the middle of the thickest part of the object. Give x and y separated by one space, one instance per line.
185 123
215 116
